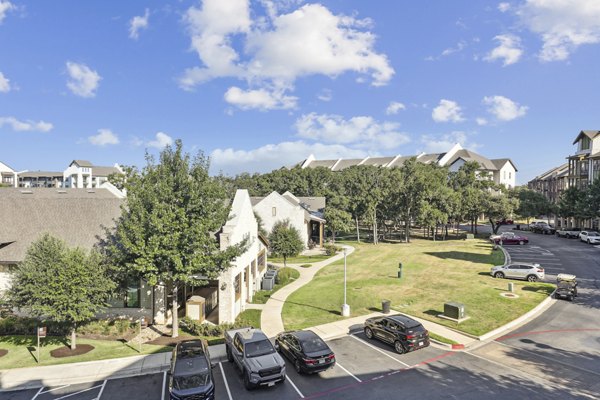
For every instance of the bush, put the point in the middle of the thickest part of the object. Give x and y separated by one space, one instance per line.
206 330
285 275
306 265
331 249
116 329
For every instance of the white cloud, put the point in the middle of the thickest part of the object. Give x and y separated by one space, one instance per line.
394 107
84 81
443 143
261 99
25 126
272 156
509 50
360 131
563 25
481 121
273 56
447 111
504 109
161 140
325 95
451 50
4 84
5 7
103 138
504 7
138 23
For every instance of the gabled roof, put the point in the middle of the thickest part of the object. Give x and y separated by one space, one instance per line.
82 163
105 171
343 164
591 134
499 163
378 161
429 158
468 155
77 216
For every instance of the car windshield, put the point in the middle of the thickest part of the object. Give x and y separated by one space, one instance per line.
260 348
191 381
593 234
314 344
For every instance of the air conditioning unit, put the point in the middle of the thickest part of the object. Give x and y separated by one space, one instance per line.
454 310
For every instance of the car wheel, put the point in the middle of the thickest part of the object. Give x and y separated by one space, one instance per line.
398 347
297 366
521 243
499 275
247 384
532 278
570 298
589 241
369 333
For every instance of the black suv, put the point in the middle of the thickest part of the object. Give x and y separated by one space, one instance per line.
404 333
191 372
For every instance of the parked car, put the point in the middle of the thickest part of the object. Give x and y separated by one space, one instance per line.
190 375
402 332
590 237
566 286
543 228
529 272
254 355
306 350
509 238
569 233
505 222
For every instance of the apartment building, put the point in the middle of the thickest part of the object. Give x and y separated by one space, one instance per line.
83 174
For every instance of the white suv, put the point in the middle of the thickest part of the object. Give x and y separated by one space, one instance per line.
590 237
530 272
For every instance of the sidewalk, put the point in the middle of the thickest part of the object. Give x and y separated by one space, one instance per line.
89 371
271 322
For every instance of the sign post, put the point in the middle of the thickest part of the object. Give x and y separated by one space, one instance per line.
41 333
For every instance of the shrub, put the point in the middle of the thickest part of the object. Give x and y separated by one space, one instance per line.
331 249
285 275
306 265
115 329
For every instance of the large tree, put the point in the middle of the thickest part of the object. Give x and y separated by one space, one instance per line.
285 240
167 229
65 285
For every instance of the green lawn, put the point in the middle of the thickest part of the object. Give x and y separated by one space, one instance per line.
434 273
22 350
249 318
300 259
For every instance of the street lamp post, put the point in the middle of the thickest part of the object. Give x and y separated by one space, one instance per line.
345 306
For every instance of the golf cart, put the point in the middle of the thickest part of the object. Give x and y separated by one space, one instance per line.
566 286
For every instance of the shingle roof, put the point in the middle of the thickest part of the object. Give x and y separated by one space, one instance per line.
41 174
378 161
343 164
428 158
74 215
313 203
82 163
104 171
499 163
467 155
399 161
322 163
589 133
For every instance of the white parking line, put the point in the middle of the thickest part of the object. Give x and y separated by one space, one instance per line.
38 393
53 389
295 387
348 372
225 380
102 390
162 394
381 351
81 391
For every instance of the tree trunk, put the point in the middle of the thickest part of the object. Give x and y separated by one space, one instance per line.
284 260
407 226
375 238
333 236
175 332
74 337
357 231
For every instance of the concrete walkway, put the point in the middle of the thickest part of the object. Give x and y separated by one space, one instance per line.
270 320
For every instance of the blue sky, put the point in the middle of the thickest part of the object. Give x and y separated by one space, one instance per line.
262 84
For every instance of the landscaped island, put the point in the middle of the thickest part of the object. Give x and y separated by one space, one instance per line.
433 273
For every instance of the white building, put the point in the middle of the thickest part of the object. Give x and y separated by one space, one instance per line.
502 171
8 176
83 174
304 213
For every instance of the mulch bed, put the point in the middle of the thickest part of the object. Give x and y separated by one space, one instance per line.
169 341
3 352
66 351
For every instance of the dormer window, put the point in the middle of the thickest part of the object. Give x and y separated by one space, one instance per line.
586 143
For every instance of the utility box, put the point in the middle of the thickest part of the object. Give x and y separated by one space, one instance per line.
194 308
268 283
454 310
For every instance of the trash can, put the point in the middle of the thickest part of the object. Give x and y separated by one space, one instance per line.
385 306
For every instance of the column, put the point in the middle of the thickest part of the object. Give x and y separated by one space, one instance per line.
321 229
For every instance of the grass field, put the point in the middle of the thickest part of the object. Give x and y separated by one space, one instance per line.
433 273
288 275
299 259
22 350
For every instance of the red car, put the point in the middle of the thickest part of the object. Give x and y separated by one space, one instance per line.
510 238
505 222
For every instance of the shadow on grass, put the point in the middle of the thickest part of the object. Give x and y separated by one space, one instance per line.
536 289
460 255
433 313
316 308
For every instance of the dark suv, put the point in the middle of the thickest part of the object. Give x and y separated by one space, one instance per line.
191 372
404 333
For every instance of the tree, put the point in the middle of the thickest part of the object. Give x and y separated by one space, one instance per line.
337 220
166 232
498 206
65 285
285 240
532 204
573 204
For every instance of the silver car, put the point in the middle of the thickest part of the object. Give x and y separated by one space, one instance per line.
530 272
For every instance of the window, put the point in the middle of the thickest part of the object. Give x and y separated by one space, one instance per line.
274 211
585 143
510 175
129 297
237 284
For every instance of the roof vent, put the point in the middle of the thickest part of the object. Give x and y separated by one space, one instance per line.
26 192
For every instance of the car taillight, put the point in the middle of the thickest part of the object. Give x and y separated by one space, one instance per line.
331 356
309 361
410 336
540 270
